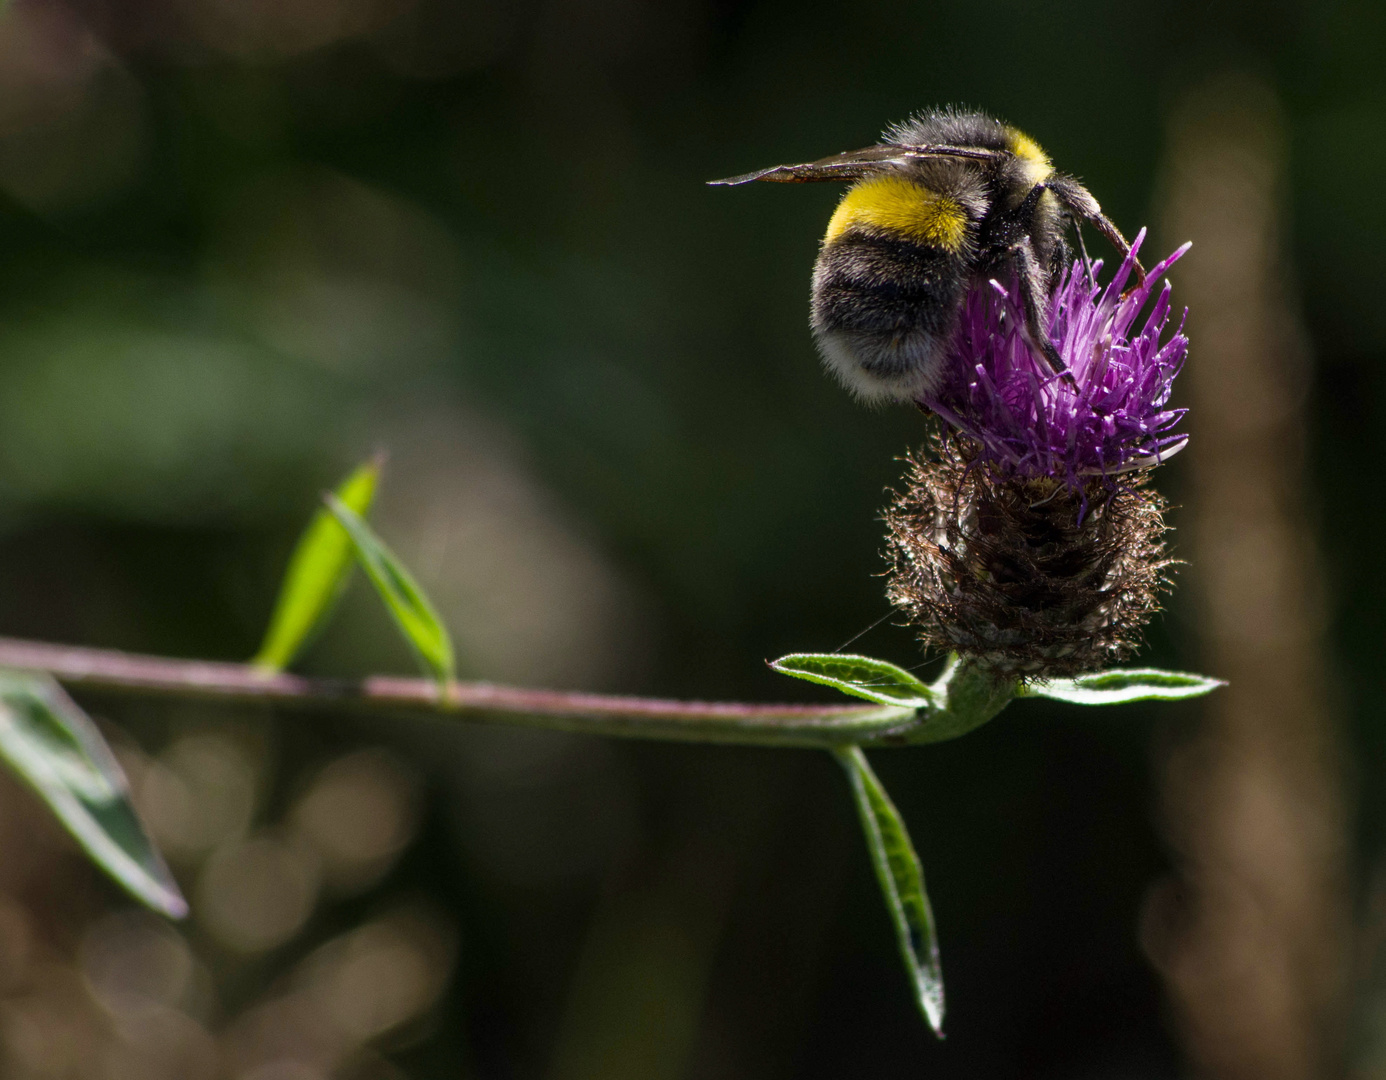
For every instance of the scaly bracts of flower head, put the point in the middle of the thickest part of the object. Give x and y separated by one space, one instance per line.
1030 576
1108 414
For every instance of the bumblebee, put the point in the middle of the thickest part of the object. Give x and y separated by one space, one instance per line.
947 199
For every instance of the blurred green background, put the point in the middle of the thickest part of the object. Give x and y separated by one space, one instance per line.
245 243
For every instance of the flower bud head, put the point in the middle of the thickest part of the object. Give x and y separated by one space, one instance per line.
1029 537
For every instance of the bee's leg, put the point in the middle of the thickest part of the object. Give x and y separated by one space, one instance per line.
1032 296
1082 247
1079 201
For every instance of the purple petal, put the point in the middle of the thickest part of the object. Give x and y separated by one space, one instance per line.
1037 423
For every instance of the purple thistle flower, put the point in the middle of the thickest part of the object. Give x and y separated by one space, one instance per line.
1109 417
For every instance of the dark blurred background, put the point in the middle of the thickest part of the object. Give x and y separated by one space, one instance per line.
245 243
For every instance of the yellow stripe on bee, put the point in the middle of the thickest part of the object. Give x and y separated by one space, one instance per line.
1022 146
1037 164
896 205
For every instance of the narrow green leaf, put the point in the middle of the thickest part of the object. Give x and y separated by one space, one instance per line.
902 882
1118 686
52 745
412 612
318 572
860 676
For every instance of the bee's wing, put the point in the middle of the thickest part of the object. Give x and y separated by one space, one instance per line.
855 164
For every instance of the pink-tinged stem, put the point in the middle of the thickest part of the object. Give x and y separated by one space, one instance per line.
597 714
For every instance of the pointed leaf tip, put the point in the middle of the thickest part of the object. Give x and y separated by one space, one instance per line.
902 883
1118 686
318 572
860 676
51 744
411 610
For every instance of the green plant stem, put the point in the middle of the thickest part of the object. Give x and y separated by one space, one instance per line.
973 695
596 714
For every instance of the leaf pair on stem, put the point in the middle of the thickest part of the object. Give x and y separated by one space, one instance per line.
320 568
